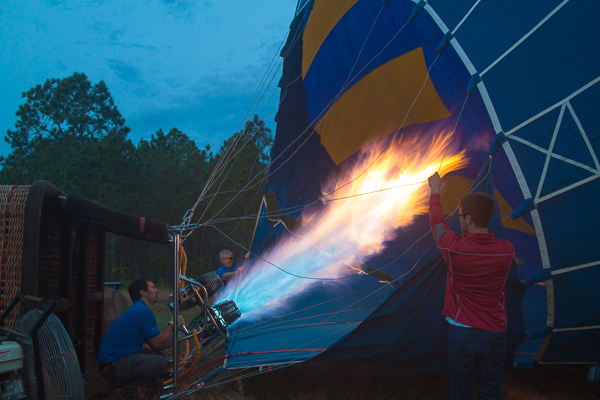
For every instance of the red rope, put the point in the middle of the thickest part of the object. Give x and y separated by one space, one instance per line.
206 366
245 353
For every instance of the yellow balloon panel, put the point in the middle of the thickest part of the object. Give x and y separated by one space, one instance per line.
379 104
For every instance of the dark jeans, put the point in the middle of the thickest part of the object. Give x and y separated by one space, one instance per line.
136 369
475 353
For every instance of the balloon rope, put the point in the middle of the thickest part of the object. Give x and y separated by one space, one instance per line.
453 131
185 224
279 268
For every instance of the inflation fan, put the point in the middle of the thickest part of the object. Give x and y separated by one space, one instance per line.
37 358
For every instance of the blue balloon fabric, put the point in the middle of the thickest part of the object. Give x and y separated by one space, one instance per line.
518 87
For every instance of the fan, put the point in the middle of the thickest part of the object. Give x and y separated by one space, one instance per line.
39 348
62 376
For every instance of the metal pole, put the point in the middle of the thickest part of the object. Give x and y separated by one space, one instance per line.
175 311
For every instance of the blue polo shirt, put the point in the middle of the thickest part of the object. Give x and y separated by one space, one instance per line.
222 270
128 333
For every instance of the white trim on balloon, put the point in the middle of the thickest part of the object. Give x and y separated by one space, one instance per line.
515 166
549 153
584 135
514 46
578 328
554 155
498 128
466 16
566 189
551 108
575 268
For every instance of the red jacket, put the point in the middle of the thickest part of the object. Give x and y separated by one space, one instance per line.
478 265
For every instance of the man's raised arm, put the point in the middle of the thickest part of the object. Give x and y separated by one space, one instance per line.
438 223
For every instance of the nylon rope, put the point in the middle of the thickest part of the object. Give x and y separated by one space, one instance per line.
377 290
453 131
426 233
279 268
350 78
320 121
299 136
297 208
336 313
191 211
364 171
401 277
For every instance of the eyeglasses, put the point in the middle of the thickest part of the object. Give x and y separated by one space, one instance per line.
227 258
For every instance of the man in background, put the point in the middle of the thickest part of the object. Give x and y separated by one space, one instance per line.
478 265
122 357
228 268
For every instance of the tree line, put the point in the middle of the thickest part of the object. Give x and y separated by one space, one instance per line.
70 133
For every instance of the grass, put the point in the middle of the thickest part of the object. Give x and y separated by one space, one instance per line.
359 381
356 381
163 313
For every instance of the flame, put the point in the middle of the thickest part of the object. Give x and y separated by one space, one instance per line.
362 210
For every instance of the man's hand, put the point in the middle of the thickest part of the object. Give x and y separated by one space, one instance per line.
435 183
180 322
247 256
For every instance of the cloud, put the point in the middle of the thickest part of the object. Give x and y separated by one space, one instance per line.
113 36
185 9
124 71
108 31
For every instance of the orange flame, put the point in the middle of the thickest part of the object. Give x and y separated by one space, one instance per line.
367 213
359 216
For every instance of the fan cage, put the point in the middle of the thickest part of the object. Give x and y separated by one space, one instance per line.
211 282
62 376
226 313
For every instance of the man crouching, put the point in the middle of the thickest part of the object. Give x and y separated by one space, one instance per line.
121 357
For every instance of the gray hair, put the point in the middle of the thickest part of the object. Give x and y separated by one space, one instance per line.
225 252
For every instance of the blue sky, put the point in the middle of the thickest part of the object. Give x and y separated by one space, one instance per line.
188 64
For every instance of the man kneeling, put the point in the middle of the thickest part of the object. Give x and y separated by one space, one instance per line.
121 357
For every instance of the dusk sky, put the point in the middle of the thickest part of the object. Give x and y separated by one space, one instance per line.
188 64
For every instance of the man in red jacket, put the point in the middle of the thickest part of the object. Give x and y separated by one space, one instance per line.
478 265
